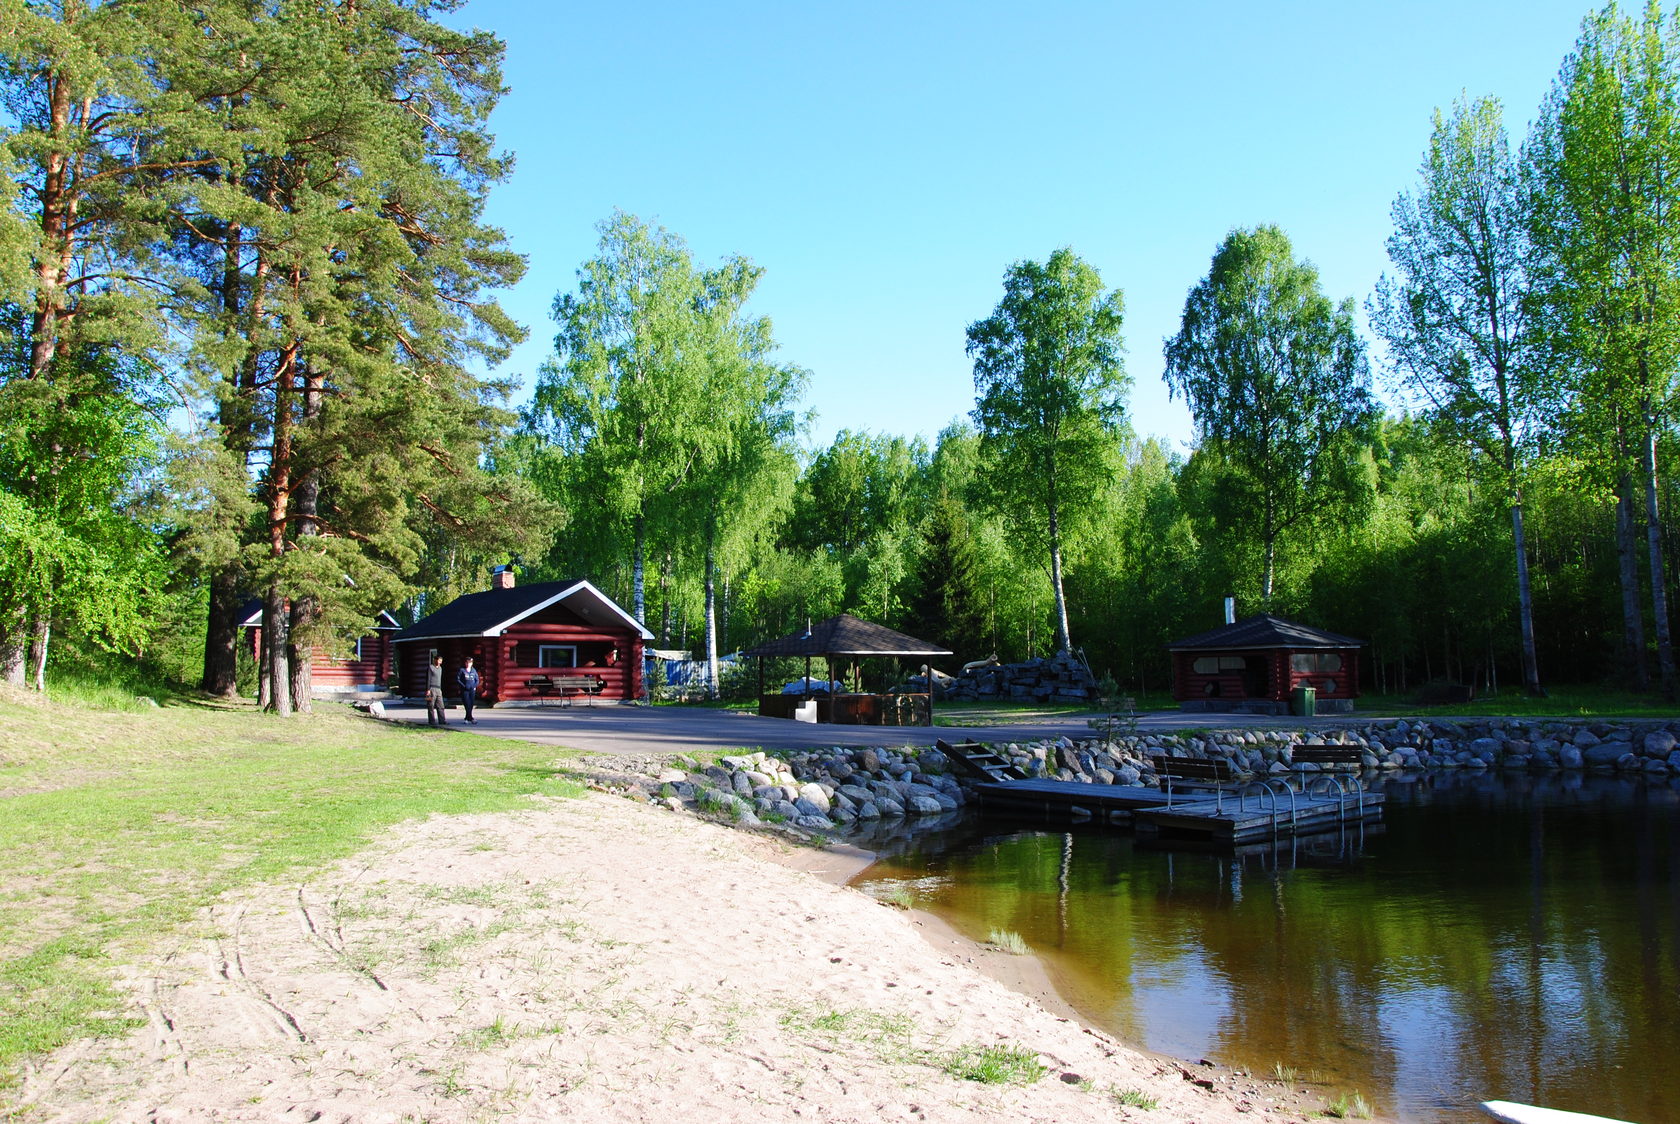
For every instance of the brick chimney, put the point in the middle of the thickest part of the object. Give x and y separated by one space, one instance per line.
501 577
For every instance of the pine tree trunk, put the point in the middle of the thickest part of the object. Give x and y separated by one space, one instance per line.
1659 584
1635 665
307 609
276 638
1525 604
221 634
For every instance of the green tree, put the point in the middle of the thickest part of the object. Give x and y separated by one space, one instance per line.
1605 213
1276 380
1049 396
1457 318
334 226
624 407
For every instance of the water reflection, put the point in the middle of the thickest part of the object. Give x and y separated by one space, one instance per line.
1502 936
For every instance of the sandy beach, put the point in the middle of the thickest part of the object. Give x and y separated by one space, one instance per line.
601 959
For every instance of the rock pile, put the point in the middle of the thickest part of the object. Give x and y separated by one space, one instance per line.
1059 679
815 791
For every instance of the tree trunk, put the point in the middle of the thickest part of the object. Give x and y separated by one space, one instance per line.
666 565
307 609
638 571
1064 639
276 638
1525 604
711 610
14 646
1659 585
1635 664
221 634
38 651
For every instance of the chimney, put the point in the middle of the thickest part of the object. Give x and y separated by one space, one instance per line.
1230 609
501 577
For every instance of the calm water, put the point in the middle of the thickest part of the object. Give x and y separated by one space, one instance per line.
1509 938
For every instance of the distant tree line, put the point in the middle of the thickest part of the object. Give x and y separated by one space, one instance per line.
247 288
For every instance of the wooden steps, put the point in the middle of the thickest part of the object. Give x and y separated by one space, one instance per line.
978 761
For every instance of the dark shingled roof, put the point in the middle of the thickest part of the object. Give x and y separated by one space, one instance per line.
846 635
1265 631
481 614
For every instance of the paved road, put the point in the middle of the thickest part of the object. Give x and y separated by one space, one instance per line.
610 728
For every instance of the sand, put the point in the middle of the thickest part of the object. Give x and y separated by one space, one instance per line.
599 959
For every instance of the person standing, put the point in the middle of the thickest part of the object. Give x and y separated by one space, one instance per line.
467 680
434 692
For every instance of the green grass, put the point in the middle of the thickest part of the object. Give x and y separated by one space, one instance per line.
1349 1106
1561 702
1007 941
994 1065
1135 1098
960 714
117 823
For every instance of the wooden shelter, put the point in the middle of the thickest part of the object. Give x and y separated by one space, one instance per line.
531 644
1255 665
847 640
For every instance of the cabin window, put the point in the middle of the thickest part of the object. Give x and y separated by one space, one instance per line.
556 655
1306 663
358 648
1213 665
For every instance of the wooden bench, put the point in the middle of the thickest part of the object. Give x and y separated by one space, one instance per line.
1216 773
581 686
541 686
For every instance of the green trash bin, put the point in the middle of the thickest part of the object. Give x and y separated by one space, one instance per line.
1305 702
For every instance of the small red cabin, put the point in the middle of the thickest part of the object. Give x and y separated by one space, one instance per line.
361 667
529 643
1254 665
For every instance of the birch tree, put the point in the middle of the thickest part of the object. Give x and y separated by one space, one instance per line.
1277 384
1049 397
1456 318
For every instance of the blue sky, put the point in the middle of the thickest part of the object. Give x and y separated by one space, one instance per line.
885 162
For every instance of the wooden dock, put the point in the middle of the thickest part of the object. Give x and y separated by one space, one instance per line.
1228 817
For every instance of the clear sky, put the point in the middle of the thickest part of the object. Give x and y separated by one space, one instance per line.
885 162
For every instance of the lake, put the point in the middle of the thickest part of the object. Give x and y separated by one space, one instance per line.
1498 936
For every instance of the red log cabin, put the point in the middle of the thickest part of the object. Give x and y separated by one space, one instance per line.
1253 666
360 667
529 643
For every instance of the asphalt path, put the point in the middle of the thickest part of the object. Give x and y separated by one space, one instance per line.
642 730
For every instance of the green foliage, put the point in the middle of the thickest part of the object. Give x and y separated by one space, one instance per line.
1275 377
1049 397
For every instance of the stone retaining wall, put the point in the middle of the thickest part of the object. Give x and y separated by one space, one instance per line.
840 788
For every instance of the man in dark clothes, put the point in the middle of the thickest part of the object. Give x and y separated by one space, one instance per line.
434 692
467 679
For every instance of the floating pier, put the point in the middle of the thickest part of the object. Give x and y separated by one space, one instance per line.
1259 810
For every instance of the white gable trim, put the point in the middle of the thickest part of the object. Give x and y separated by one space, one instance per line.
607 602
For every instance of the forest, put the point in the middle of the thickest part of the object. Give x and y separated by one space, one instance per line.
248 299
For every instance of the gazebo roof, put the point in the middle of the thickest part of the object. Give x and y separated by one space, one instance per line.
1264 631
846 635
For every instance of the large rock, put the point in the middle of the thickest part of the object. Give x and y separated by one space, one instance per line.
1604 754
815 795
1659 743
924 806
1570 757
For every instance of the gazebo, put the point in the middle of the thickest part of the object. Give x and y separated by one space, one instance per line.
846 639
1254 666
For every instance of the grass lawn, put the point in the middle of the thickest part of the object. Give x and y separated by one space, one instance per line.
1560 702
1012 713
117 824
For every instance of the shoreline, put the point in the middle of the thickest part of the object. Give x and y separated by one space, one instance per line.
600 958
